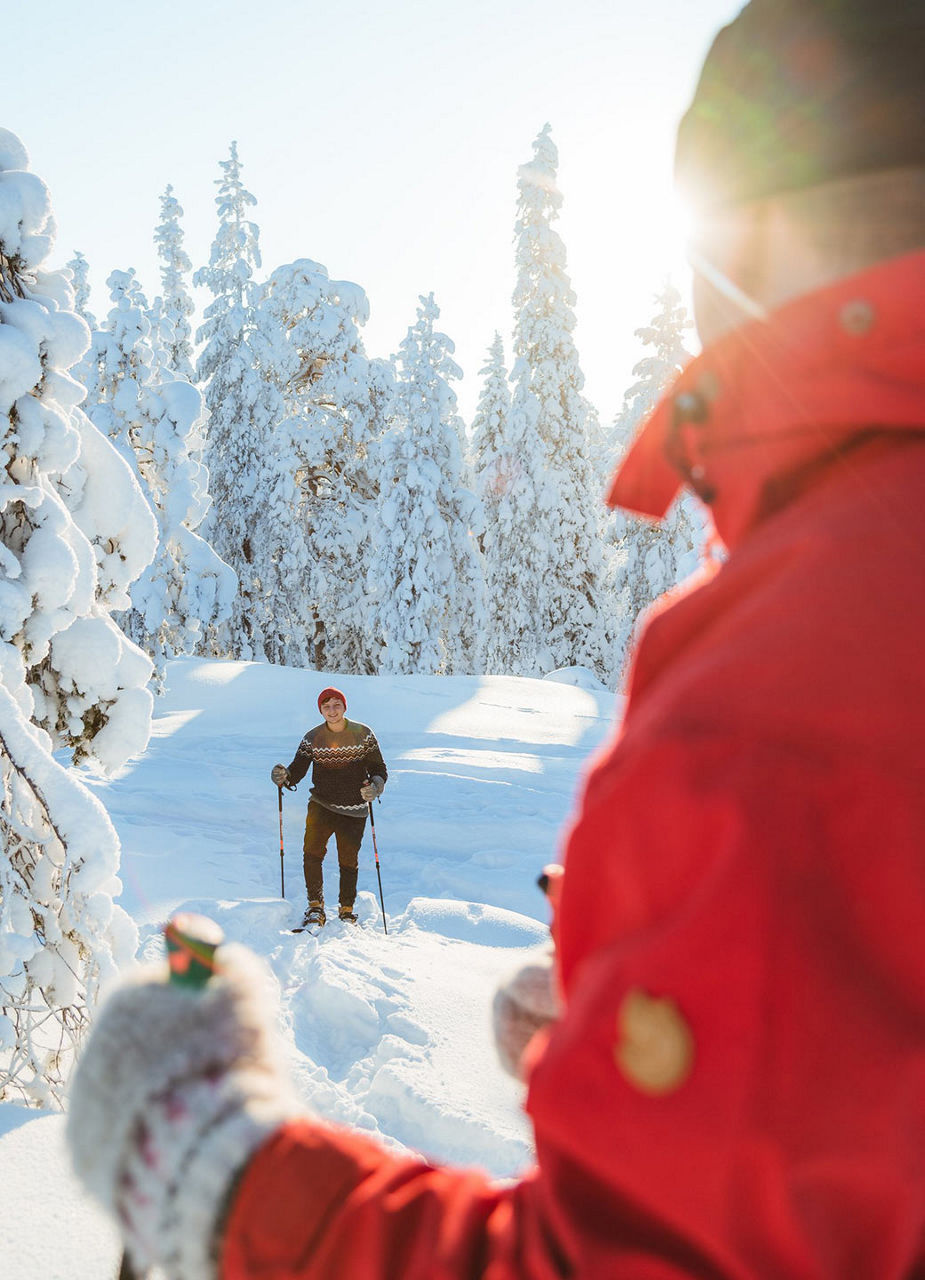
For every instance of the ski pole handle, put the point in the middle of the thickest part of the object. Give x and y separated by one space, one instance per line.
191 942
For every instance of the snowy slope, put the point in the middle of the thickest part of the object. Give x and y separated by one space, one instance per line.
387 1033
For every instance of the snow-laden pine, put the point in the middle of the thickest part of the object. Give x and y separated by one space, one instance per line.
79 268
337 405
489 446
235 445
72 537
655 556
666 356
547 578
175 306
186 588
495 465
263 512
426 573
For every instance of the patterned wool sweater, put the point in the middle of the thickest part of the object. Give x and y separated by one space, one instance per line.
341 763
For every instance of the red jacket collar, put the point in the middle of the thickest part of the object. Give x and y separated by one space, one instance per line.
781 395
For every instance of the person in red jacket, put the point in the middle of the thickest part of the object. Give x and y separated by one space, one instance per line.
735 1085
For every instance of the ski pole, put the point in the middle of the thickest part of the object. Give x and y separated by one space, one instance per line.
191 941
369 805
282 865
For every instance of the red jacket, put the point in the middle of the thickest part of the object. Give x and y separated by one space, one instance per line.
737 1087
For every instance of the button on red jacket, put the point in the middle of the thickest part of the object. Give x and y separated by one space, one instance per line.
737 1087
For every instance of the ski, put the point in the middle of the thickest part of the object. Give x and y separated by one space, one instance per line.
314 927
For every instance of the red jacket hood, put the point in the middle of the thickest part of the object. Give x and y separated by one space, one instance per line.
777 397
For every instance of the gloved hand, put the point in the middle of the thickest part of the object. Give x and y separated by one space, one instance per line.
280 775
525 1002
369 791
173 1093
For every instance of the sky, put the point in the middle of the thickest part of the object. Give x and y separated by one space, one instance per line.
382 141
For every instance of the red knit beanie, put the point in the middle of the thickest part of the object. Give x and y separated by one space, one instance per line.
331 693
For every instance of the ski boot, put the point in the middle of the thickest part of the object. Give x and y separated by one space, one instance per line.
347 914
314 916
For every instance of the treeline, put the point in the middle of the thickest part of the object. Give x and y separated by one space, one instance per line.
367 527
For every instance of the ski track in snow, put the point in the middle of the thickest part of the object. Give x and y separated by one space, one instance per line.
389 1034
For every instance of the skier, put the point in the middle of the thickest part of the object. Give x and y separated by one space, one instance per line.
348 773
735 1084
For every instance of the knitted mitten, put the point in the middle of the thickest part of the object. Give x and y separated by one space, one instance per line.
524 1003
174 1091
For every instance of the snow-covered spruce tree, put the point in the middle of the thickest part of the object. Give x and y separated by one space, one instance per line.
494 465
338 402
79 268
489 443
170 317
664 335
119 364
547 563
176 305
654 556
236 444
186 587
73 533
372 484
426 574
272 553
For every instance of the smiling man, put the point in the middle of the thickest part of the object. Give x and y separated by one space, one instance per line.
347 773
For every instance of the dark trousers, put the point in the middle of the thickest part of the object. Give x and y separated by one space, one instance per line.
320 825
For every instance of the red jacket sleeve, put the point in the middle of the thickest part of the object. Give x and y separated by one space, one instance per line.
319 1203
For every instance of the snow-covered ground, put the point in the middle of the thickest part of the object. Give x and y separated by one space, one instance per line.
387 1033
